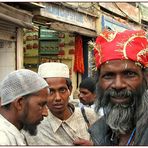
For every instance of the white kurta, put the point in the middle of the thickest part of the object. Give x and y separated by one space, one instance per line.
53 131
9 134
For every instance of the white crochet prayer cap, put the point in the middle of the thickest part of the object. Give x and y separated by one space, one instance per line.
53 69
19 83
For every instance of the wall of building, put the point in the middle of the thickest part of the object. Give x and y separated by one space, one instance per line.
12 21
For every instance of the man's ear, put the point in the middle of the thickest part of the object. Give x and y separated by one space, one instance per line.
95 95
69 92
70 89
19 103
146 76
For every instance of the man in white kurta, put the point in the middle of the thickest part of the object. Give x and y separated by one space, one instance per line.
23 99
9 134
64 123
53 131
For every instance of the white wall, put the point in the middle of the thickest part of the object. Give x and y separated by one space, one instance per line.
7 57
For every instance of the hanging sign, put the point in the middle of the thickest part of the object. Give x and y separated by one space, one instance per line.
68 15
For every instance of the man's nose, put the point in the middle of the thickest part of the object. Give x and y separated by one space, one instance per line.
57 96
45 111
119 83
81 95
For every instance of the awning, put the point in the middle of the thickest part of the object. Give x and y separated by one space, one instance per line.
66 19
71 28
18 17
16 21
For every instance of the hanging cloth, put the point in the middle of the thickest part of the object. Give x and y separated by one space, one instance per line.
79 61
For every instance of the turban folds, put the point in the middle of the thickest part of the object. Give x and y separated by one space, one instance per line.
129 44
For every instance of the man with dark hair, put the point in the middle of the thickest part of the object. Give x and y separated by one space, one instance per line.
121 60
87 93
65 123
23 105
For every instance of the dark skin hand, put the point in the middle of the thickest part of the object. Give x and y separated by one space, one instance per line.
82 142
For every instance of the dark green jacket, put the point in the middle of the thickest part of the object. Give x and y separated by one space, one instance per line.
102 135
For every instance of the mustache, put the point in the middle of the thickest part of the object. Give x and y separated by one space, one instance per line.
103 96
119 94
112 93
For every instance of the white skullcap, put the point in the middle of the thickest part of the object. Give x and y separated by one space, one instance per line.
53 69
19 83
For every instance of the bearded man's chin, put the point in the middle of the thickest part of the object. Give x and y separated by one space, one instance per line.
31 129
120 118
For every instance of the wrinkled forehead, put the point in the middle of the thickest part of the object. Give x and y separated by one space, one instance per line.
120 64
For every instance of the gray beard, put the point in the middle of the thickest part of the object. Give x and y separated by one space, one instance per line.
119 117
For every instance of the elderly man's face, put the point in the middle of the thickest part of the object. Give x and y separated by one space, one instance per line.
34 110
121 85
120 75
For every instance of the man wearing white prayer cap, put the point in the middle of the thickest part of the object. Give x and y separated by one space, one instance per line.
23 105
53 69
64 123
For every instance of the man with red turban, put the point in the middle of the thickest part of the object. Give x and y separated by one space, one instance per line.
121 61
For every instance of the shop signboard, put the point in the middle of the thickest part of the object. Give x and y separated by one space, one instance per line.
123 9
108 22
144 10
48 34
48 41
68 15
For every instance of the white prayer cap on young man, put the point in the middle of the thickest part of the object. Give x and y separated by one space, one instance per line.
53 69
20 83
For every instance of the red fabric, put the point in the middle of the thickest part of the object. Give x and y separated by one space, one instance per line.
129 44
78 62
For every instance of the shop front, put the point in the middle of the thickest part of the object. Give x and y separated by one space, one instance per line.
11 47
60 32
117 24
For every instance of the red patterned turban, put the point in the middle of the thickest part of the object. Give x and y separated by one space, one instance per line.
130 44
